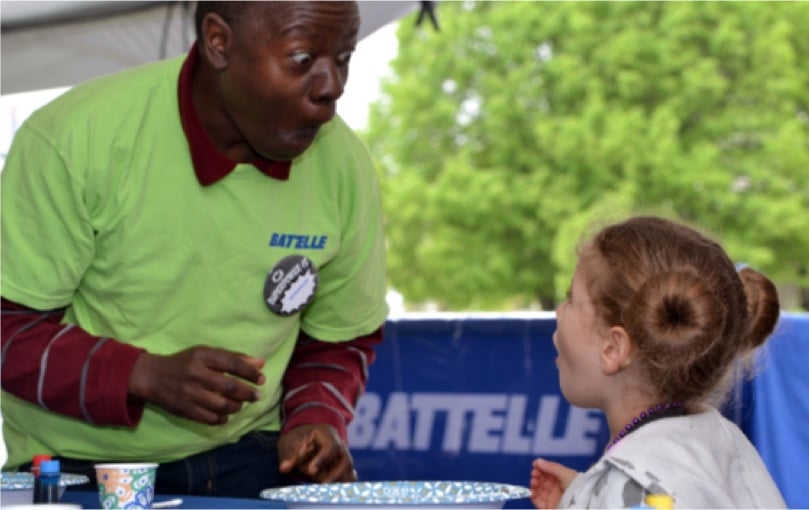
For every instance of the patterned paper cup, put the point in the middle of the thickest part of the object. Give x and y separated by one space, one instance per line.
126 485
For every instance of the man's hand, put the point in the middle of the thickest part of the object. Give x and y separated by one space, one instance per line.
317 453
549 481
203 384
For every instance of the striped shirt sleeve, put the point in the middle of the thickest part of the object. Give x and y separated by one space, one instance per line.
325 380
64 369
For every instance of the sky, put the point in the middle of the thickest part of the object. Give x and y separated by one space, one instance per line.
368 65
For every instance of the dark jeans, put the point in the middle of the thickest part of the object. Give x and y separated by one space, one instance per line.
239 470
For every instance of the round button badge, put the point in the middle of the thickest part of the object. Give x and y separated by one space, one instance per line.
290 285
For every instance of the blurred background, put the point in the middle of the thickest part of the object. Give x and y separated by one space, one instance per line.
518 126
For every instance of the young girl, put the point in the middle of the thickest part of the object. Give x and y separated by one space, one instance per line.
656 318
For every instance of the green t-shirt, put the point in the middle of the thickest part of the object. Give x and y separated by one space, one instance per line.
102 212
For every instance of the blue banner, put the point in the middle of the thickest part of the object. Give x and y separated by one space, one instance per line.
469 398
477 397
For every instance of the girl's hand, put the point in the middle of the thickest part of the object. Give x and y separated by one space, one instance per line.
549 481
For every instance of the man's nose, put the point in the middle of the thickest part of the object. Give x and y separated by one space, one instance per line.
329 84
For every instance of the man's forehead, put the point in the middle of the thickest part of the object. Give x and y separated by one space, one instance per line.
285 16
289 10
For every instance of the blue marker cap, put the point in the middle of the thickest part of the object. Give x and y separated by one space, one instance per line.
49 467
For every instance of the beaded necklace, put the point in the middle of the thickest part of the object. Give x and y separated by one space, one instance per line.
653 413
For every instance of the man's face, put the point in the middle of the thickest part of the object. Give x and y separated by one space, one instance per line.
286 69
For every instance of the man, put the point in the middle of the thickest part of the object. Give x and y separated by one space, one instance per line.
193 261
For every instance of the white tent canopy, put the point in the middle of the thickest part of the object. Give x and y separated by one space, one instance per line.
57 44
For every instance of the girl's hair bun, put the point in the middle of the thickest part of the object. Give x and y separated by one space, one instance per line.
763 307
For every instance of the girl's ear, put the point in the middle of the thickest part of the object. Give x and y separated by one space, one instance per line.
616 351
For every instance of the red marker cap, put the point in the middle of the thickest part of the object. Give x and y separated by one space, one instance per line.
37 461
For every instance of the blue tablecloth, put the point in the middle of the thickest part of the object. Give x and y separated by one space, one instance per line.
89 499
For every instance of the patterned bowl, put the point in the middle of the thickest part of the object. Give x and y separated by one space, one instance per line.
398 493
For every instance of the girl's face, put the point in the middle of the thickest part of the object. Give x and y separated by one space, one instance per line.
578 340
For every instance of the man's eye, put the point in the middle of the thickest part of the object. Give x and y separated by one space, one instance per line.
344 58
302 59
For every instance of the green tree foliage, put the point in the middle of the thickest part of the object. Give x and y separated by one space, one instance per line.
503 137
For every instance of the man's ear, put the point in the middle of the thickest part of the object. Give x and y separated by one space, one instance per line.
616 350
216 39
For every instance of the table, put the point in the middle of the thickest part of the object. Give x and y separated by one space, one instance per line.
88 499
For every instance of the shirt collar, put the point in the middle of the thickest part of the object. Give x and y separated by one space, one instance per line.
209 165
